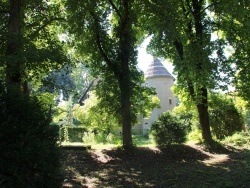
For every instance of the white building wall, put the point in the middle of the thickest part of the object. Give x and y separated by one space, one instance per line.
157 76
163 86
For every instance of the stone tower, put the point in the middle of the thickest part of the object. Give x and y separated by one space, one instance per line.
157 76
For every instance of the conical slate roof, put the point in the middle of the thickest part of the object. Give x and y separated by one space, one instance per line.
156 68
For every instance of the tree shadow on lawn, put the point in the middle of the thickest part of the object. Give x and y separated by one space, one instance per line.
172 166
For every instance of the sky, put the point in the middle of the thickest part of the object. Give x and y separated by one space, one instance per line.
144 58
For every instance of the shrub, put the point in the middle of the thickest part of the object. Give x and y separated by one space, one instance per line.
29 154
100 137
225 119
238 139
72 133
168 129
89 138
195 135
141 140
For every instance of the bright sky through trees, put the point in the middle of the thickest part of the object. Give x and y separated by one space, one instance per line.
144 58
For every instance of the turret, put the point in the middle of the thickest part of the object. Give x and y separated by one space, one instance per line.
157 76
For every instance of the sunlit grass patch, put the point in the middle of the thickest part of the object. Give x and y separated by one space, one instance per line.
238 139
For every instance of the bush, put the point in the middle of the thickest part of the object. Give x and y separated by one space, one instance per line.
29 154
238 139
195 135
72 133
141 140
100 137
225 119
168 129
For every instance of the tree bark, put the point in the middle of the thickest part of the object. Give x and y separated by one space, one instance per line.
202 105
13 68
121 70
204 118
125 80
126 114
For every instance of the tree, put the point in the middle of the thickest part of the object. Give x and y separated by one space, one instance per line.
93 117
105 35
13 72
31 156
29 41
233 18
224 116
82 80
182 31
59 82
30 48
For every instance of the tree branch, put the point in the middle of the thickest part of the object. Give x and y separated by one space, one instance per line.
185 11
104 55
191 90
115 8
207 8
48 22
99 45
179 47
200 2
189 6
210 23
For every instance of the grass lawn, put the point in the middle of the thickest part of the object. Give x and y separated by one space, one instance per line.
185 166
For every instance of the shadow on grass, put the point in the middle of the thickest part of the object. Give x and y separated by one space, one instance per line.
172 166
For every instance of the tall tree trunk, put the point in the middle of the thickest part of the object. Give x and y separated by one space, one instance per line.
202 106
126 114
204 118
125 87
13 68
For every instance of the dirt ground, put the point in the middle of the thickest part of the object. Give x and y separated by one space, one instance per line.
184 166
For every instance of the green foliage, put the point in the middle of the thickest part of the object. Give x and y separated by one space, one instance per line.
168 129
81 78
30 156
182 31
179 35
247 121
139 140
63 114
187 112
225 119
72 133
47 102
238 139
46 99
37 47
225 116
144 99
64 134
59 81
71 81
89 138
93 116
243 107
92 137
234 25
195 135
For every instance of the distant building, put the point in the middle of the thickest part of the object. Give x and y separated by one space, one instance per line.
157 76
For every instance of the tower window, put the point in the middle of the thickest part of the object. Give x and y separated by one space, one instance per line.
170 101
